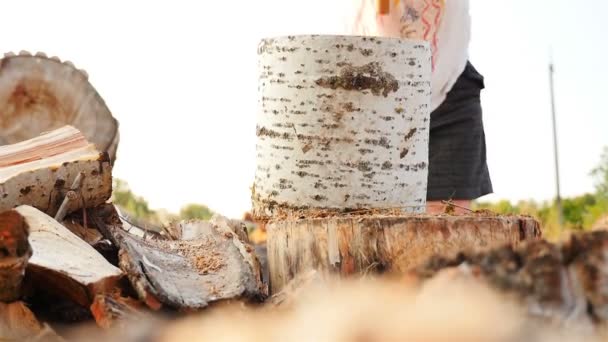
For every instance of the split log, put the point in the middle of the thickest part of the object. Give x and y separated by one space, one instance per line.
40 94
63 263
359 244
342 123
40 173
18 323
192 274
187 275
15 252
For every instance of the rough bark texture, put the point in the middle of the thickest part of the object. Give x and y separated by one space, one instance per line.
190 274
15 252
62 263
361 244
342 123
39 172
213 265
40 94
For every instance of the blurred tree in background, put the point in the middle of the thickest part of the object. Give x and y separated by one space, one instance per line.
137 207
580 213
127 200
195 211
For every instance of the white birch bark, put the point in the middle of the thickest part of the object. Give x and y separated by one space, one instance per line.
342 123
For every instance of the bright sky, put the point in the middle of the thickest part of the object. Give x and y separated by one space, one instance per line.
180 76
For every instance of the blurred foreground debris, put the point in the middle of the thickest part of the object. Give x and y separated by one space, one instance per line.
18 323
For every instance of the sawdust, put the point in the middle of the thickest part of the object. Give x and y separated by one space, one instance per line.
203 255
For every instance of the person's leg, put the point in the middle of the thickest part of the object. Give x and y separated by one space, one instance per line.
458 170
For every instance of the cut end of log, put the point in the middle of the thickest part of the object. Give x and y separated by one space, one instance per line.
40 93
41 171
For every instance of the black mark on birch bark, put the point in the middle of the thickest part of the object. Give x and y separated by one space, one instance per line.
366 77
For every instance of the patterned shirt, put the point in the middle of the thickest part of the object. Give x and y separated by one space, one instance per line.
445 24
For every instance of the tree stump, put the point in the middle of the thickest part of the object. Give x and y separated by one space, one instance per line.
350 245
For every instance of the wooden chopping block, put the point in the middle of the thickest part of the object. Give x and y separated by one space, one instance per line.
350 245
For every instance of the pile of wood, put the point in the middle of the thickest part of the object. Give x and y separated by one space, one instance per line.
68 256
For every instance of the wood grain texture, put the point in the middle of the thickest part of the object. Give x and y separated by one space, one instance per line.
39 94
39 172
63 263
360 244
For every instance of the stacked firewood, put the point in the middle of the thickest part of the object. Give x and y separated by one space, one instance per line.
69 256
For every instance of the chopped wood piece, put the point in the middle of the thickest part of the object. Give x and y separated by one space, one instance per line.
192 274
372 243
114 311
186 275
15 251
18 323
39 172
65 264
39 94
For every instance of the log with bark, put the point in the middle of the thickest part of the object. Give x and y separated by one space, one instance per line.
42 171
64 264
15 252
342 123
369 243
213 266
40 94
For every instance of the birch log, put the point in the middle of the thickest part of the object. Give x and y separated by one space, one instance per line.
39 172
359 244
39 94
342 123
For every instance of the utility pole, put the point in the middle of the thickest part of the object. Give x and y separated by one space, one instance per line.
555 151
